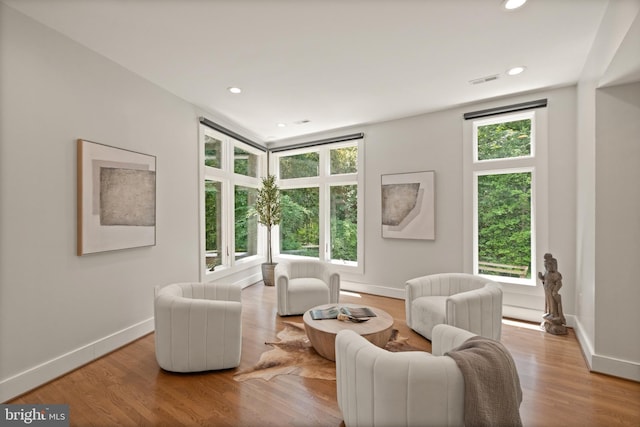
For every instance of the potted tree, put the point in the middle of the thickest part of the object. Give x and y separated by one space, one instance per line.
269 211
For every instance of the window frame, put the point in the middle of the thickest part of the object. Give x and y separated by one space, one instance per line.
324 181
229 180
536 163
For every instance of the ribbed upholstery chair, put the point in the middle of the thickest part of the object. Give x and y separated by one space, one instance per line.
376 387
301 285
198 326
467 301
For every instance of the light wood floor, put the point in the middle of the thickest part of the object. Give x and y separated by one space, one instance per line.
127 388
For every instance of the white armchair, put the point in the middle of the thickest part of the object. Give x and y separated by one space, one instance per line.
416 388
198 326
303 284
467 301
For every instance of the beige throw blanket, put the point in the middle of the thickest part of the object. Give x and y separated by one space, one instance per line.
492 393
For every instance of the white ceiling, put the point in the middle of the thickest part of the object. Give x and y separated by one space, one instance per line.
335 63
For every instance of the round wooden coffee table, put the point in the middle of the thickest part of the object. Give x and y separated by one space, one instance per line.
322 333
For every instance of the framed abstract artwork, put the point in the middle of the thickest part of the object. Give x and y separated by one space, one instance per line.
408 205
116 198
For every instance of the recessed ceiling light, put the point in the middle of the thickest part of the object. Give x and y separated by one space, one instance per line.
234 89
281 125
515 70
513 4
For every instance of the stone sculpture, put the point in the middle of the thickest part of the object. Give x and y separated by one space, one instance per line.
553 319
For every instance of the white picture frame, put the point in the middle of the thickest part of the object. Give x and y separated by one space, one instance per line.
408 205
116 198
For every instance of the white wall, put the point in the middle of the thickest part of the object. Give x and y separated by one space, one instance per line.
606 328
58 310
617 249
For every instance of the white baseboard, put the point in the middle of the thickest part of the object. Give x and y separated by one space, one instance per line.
585 344
49 370
605 364
254 278
522 313
616 367
372 289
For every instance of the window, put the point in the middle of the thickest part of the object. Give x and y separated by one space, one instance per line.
230 179
213 223
507 169
321 202
246 227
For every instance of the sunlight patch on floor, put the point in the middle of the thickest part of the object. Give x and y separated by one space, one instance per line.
351 294
520 324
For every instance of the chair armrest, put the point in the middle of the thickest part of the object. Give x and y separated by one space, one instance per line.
446 337
281 281
478 311
418 287
415 288
332 279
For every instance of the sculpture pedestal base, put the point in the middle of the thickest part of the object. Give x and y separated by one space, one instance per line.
554 326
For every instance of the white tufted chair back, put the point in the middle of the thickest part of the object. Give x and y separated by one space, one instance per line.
467 301
303 284
376 387
198 326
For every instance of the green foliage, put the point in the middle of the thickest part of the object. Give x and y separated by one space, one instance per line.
212 151
299 231
504 140
344 222
244 163
344 160
504 218
245 222
300 165
212 221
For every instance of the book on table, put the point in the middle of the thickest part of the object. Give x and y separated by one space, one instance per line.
358 312
332 312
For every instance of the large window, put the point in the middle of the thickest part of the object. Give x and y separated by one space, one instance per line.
321 202
506 173
230 177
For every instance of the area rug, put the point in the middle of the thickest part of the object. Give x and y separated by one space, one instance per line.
294 355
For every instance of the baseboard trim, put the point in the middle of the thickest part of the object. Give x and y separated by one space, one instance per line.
251 280
607 365
616 367
38 375
372 289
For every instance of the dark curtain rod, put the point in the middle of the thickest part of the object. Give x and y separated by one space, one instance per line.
506 109
232 134
325 141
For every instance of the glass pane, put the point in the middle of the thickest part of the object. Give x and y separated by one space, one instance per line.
300 165
344 222
300 223
504 224
504 140
244 162
213 221
344 160
212 151
246 228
